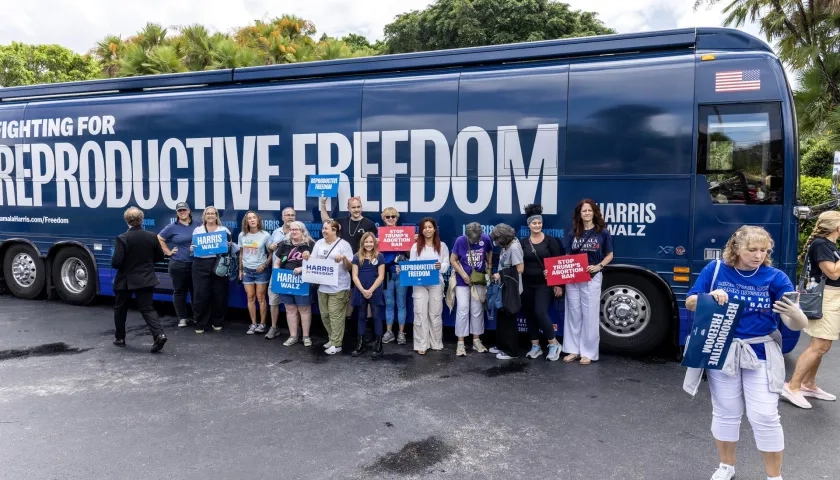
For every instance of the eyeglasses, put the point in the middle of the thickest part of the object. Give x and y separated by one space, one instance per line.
390 217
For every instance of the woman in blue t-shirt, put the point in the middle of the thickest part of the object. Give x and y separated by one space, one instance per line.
179 235
754 364
824 258
581 326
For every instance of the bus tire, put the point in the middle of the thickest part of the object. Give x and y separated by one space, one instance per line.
73 276
634 314
24 271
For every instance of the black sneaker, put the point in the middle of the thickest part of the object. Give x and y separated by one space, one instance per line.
120 342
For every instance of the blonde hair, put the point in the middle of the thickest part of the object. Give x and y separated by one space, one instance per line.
743 238
390 211
362 252
827 222
204 216
133 217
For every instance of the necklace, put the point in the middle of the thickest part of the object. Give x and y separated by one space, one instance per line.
746 276
358 224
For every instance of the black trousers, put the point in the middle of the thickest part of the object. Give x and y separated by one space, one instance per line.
182 283
535 302
507 332
378 312
144 305
211 294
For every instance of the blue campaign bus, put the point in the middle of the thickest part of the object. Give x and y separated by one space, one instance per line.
680 136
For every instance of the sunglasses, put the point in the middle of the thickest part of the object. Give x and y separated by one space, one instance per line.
390 217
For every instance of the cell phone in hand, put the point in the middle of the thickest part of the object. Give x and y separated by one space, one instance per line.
792 296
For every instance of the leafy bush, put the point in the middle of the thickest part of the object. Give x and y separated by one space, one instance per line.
816 157
813 191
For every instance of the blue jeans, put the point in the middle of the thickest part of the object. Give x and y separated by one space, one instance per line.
393 289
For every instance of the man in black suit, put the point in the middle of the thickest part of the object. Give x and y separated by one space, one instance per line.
135 254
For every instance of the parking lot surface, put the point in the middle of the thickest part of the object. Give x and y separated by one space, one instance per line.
225 405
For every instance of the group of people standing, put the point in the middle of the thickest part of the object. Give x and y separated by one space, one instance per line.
368 291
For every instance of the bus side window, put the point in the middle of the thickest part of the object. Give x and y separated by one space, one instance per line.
741 153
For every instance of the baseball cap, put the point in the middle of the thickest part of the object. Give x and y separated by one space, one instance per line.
182 206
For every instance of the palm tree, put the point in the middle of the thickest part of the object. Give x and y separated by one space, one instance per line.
197 46
151 36
107 54
332 49
228 54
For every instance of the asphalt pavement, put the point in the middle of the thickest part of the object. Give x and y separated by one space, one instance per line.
225 405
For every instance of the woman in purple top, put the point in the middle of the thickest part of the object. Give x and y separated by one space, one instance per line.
179 235
471 253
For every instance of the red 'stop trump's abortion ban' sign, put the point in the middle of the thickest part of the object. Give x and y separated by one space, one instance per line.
395 239
567 269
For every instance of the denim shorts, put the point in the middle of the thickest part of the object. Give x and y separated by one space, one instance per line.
299 300
250 276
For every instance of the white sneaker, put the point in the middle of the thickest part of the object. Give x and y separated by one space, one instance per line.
494 350
251 329
503 356
724 472
333 350
182 323
327 345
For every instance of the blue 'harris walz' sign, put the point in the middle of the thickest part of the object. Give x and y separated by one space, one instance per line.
419 273
285 282
213 243
323 185
711 332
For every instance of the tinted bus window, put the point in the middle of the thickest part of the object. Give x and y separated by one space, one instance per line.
741 152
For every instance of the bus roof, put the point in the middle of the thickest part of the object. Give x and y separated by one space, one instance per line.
686 38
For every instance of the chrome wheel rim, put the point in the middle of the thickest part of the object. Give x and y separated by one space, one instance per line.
24 271
74 275
625 311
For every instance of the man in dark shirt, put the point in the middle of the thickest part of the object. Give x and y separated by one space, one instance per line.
135 254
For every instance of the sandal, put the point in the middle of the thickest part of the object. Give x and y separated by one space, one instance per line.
571 357
421 352
585 361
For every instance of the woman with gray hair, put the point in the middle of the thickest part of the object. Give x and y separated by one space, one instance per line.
511 257
471 254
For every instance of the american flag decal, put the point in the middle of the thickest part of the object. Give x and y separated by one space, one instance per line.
737 81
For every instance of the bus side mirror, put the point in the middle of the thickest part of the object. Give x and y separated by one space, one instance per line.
802 212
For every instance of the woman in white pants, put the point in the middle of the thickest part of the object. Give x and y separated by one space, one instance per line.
428 300
472 252
754 369
581 326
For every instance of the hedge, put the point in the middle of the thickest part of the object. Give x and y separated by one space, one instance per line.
813 191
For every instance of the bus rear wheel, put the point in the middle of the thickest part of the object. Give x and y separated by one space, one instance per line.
24 271
634 314
73 276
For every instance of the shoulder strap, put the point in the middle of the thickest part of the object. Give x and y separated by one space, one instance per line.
714 277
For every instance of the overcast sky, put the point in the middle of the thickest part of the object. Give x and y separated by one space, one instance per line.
79 24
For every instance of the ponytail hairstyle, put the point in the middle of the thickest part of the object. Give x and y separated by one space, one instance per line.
827 222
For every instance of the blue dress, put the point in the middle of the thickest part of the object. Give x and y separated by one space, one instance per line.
368 272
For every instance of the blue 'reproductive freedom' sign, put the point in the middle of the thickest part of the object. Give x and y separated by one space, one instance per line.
323 185
213 243
711 332
419 273
285 282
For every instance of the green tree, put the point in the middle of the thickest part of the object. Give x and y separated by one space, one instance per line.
229 54
806 34
467 23
107 53
817 158
23 64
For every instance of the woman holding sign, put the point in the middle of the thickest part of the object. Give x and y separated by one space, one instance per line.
536 294
255 268
368 275
754 369
211 290
581 326
333 299
428 300
289 256
394 293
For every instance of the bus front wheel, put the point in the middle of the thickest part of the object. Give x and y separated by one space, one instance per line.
634 313
73 276
24 271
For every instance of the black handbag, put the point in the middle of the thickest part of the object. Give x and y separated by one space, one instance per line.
810 293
